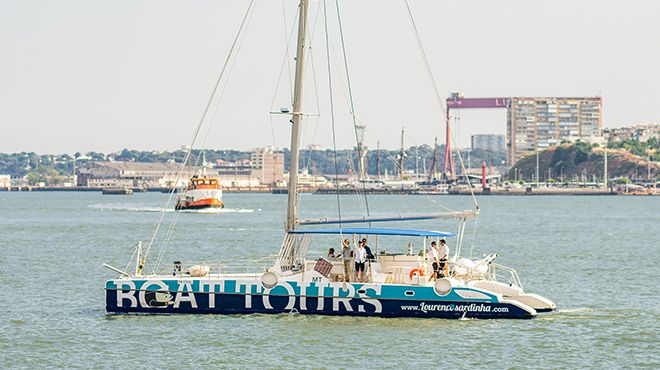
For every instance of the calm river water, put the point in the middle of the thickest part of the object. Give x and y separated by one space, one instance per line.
596 257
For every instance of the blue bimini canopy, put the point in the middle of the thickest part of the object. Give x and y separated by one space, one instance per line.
375 231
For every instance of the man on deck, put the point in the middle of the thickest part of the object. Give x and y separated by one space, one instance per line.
443 253
435 259
370 256
346 256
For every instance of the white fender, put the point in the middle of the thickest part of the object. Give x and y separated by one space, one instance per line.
443 286
269 280
199 270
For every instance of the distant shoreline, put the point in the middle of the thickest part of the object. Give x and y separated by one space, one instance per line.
269 190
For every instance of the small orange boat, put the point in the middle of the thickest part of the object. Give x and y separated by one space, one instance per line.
202 192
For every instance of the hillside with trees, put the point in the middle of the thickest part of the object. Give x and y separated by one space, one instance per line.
585 162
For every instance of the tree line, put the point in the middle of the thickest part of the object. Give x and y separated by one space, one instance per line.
55 169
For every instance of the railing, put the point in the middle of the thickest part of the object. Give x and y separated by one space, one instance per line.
506 274
248 267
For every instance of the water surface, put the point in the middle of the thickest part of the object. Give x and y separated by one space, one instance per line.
596 257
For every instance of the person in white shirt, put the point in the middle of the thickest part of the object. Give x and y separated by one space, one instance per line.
443 256
360 259
435 259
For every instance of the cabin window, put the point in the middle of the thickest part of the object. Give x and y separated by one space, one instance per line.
361 291
409 293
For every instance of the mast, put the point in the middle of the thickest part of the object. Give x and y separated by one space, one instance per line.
605 168
378 158
434 175
204 163
296 117
401 157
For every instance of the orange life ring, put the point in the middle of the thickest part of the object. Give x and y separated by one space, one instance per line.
420 272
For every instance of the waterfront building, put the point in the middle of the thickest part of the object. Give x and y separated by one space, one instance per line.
133 174
538 123
239 174
490 142
5 181
267 165
640 132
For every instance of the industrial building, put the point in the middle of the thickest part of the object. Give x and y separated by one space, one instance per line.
132 174
266 167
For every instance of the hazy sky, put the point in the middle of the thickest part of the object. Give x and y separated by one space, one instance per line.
106 75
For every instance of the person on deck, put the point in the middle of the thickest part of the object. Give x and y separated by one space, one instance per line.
360 260
331 254
370 256
435 259
346 256
444 255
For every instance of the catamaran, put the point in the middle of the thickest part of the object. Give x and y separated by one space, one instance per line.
395 284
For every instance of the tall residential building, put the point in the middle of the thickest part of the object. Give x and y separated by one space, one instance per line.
493 143
537 123
267 165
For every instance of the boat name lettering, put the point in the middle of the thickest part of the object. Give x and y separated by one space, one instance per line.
162 294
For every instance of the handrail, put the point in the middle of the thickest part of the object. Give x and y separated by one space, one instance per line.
514 278
240 266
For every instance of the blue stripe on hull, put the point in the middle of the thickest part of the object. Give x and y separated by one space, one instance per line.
227 303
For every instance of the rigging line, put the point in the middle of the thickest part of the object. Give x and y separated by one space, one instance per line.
286 55
285 63
467 178
223 90
317 118
332 114
426 61
437 93
474 236
131 259
426 194
316 88
350 94
199 125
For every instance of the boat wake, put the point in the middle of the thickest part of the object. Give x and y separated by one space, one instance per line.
119 207
217 210
575 310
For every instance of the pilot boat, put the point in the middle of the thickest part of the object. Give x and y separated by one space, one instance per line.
202 192
398 283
